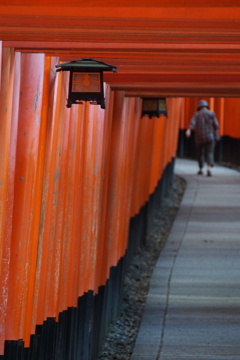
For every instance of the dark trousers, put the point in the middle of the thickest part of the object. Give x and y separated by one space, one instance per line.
205 152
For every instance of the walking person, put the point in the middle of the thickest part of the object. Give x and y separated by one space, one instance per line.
206 126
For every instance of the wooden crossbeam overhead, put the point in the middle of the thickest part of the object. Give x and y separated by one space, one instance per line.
196 40
125 3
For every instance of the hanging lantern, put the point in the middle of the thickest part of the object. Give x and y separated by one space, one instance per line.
86 80
154 107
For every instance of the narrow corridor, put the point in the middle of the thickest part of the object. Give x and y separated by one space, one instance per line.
193 311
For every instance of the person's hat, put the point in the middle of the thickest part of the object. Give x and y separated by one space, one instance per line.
202 103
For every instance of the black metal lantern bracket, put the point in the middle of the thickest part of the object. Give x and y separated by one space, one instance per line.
86 80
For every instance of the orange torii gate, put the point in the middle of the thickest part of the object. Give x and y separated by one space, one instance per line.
71 180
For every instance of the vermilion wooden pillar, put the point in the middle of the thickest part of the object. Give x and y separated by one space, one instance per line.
24 243
6 182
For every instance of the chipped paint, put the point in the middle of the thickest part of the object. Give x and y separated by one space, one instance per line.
37 120
56 175
35 101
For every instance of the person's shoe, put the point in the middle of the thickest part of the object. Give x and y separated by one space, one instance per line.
200 172
209 173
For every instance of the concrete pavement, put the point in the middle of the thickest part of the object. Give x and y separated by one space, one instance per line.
193 305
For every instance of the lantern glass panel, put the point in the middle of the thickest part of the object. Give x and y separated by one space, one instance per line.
86 82
149 104
162 106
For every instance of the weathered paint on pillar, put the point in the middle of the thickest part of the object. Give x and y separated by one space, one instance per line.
23 243
6 183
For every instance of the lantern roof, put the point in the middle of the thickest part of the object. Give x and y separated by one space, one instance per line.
86 64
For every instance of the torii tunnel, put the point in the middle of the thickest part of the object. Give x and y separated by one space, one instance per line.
78 185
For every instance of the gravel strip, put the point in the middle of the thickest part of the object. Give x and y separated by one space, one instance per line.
123 331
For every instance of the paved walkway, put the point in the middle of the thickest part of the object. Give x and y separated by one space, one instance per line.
193 305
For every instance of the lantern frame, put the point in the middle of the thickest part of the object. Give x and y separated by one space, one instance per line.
154 107
86 80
